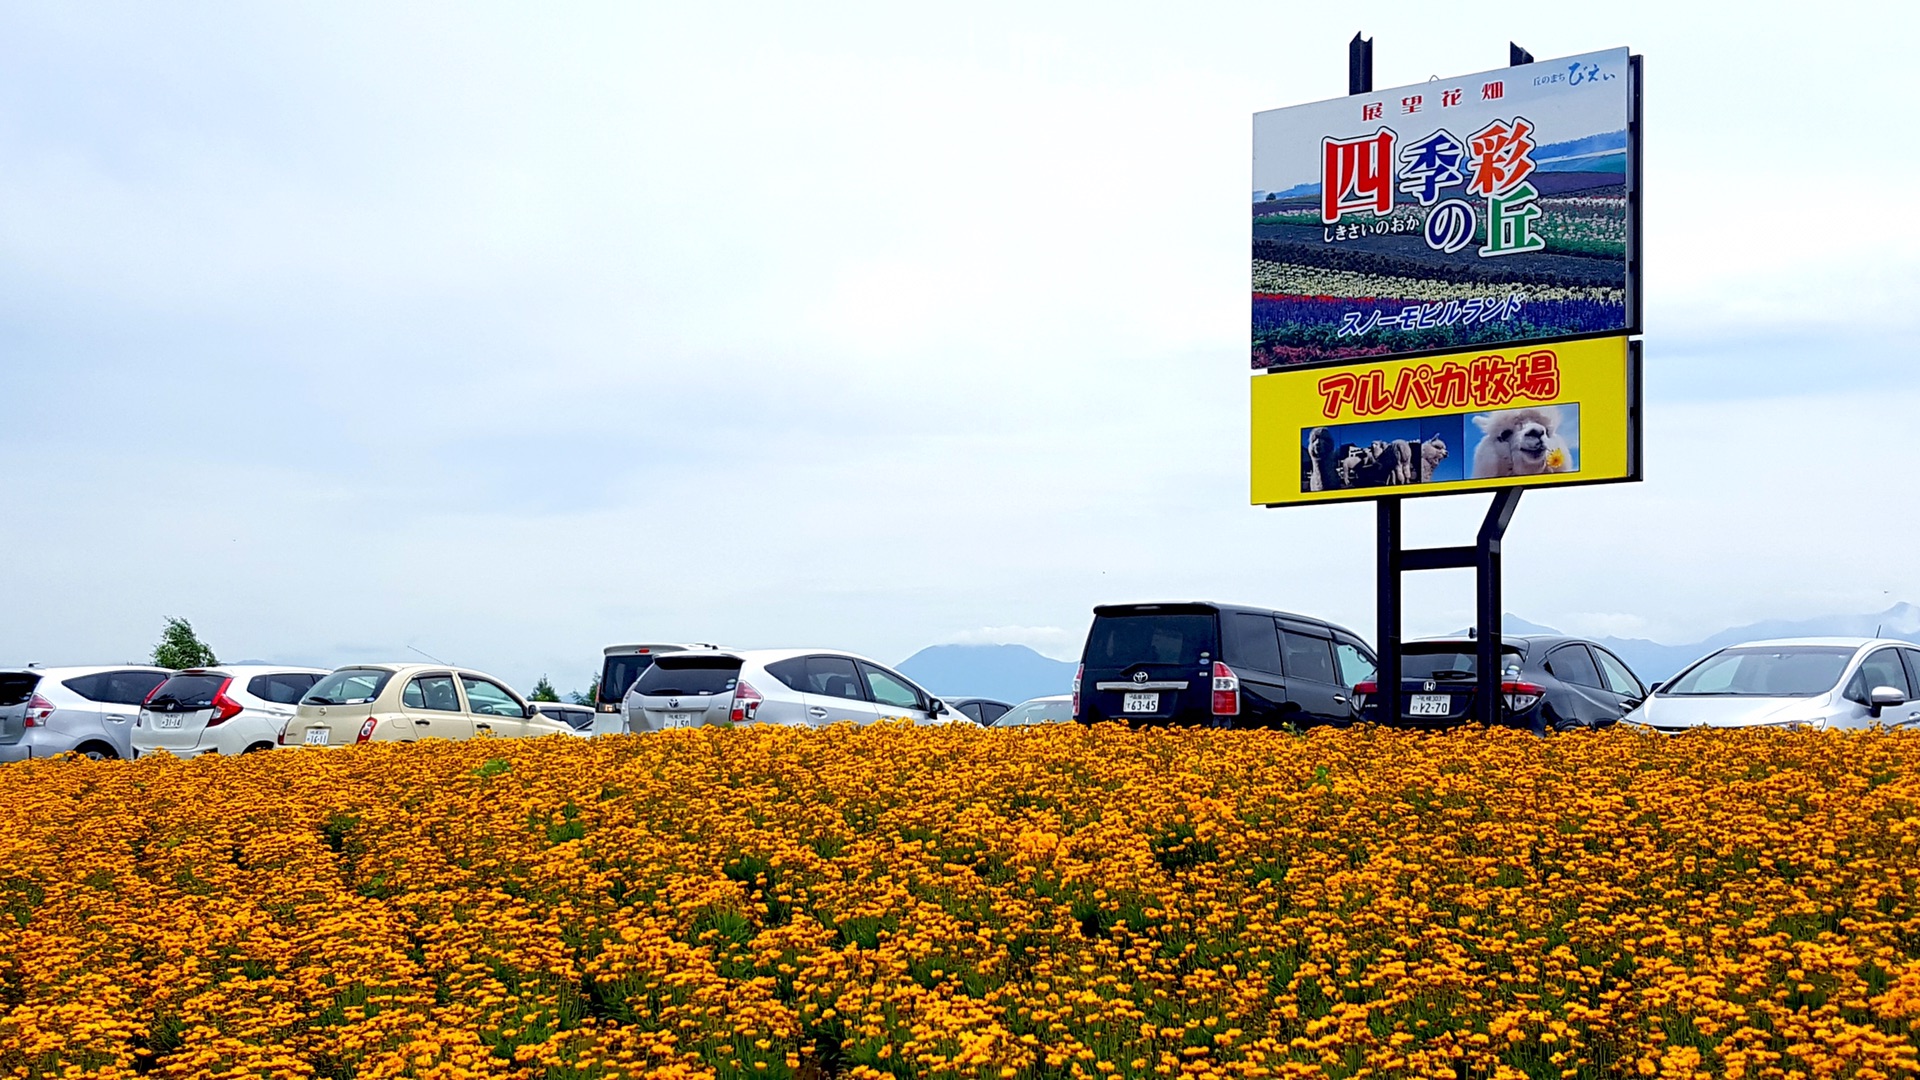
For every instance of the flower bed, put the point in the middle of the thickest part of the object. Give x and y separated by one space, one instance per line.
952 902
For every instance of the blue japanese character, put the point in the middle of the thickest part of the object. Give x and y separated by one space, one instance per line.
1431 164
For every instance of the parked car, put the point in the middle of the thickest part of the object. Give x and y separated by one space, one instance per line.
407 702
87 710
1791 683
1547 683
578 717
1223 665
620 665
230 709
800 687
1053 709
981 710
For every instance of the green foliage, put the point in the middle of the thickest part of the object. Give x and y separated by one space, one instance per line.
180 647
543 691
591 697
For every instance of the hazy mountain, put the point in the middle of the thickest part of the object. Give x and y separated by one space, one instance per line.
1654 661
1012 673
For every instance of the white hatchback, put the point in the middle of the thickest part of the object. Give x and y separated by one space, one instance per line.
1792 683
230 709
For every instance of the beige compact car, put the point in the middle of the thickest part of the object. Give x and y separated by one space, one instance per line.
406 702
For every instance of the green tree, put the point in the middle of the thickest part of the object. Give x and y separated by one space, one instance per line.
591 697
543 691
180 647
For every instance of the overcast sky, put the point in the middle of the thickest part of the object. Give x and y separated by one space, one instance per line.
505 333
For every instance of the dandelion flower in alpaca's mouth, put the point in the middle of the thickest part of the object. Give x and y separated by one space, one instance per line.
1556 458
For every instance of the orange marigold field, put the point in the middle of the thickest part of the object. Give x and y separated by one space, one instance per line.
1057 902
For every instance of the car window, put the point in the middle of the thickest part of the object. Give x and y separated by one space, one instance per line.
991 711
890 689
1309 658
828 676
1912 657
1620 679
1355 668
1573 664
282 687
972 711
489 699
1121 641
117 687
1882 667
431 692
1252 642
348 686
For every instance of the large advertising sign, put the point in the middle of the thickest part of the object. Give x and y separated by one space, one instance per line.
1489 210
1566 413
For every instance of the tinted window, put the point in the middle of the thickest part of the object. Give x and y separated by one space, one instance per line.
1881 668
1571 664
433 692
16 687
1786 671
991 711
890 689
1309 658
1355 668
284 687
832 676
689 676
1447 663
348 686
486 698
1619 678
186 693
1120 641
1252 642
116 687
1912 657
618 674
971 710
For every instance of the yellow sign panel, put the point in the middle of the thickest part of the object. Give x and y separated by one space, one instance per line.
1472 421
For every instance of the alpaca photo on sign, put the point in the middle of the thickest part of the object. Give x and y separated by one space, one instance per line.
1379 454
1532 441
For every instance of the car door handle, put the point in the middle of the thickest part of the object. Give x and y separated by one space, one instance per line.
483 727
1340 699
423 723
817 712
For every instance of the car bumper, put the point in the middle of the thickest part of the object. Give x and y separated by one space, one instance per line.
19 751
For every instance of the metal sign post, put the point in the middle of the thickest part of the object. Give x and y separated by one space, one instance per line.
1483 556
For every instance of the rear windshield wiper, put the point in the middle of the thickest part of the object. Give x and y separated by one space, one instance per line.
1450 674
323 701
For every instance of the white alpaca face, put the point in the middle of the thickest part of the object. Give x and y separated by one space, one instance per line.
1520 435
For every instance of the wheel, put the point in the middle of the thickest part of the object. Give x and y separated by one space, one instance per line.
96 751
257 747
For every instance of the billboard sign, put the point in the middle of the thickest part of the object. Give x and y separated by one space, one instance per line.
1490 210
1565 413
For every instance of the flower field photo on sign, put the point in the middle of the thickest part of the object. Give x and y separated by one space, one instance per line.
951 902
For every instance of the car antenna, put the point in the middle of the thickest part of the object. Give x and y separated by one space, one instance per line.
429 656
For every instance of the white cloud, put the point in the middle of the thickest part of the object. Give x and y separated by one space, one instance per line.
1053 641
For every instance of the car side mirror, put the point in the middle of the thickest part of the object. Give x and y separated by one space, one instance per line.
936 707
1654 688
1883 697
528 712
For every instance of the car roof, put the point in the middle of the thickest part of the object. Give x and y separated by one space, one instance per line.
408 667
70 670
1046 697
763 657
660 646
1842 642
237 670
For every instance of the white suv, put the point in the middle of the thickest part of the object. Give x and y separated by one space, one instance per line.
229 709
799 687
88 710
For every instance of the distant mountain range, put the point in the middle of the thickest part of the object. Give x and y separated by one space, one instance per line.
1015 672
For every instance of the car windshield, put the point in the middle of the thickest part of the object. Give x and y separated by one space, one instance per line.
1121 641
348 686
1452 662
1783 671
619 673
689 676
1036 712
186 693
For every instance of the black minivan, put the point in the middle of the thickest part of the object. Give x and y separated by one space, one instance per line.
1219 665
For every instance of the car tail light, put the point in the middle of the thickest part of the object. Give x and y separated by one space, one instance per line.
224 707
366 729
1077 672
155 690
282 738
746 702
1226 690
1361 692
1521 696
38 709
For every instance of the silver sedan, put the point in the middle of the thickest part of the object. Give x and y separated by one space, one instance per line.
795 687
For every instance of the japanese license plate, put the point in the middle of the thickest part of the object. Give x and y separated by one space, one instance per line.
168 720
1140 703
677 719
317 736
1430 705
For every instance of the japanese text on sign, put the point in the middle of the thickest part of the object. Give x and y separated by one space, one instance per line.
1487 382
